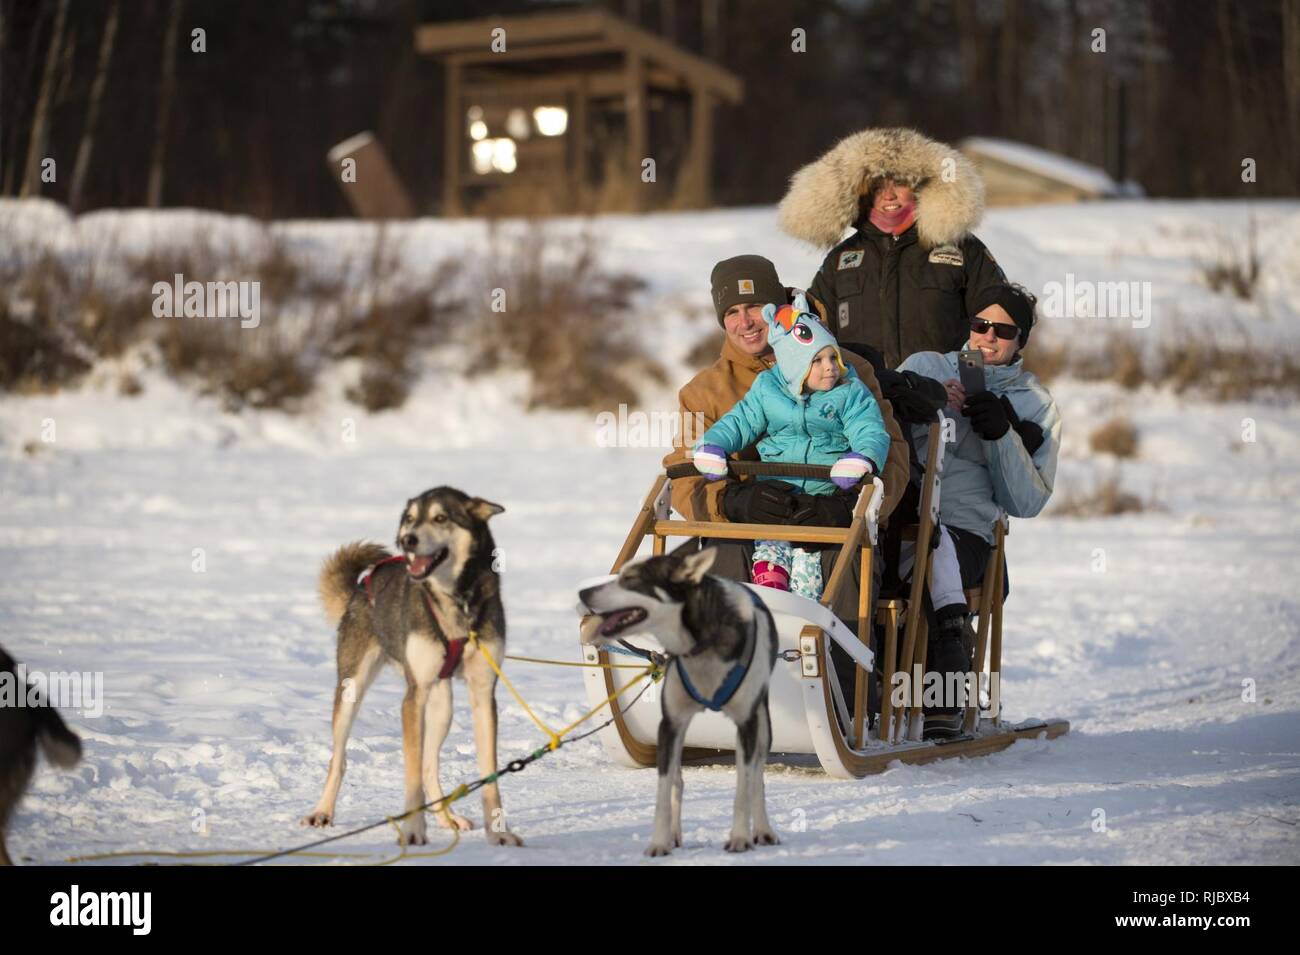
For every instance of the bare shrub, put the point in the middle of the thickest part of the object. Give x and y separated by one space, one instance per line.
255 367
34 356
1105 499
389 321
1235 267
279 274
74 306
379 389
1127 366
1118 436
1208 369
271 377
1045 360
1216 372
569 323
47 285
61 315
1119 361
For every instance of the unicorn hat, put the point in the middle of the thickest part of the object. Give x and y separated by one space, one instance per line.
796 336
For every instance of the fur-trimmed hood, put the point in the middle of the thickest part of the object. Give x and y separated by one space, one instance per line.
823 198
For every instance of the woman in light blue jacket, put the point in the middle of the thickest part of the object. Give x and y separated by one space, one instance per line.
1000 454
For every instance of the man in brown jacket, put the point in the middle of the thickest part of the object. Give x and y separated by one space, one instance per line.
741 287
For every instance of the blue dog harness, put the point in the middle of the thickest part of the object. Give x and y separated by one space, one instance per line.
734 678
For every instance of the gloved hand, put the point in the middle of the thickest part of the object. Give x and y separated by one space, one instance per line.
850 469
711 461
758 502
915 398
823 510
988 418
1031 435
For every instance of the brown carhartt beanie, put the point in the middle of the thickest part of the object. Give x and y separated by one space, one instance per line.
745 279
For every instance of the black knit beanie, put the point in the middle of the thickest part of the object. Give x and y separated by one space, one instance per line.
1018 302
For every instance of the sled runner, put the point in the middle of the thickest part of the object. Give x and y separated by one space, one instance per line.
810 712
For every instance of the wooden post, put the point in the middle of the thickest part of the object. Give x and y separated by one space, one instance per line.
579 145
864 636
637 133
921 565
376 192
995 663
645 521
889 667
453 141
696 191
915 726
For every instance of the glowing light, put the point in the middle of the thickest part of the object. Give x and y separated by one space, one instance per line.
478 129
483 157
551 120
517 124
494 155
503 155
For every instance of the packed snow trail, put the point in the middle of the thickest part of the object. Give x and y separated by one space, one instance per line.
218 683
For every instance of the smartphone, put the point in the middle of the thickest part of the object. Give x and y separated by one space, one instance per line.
970 366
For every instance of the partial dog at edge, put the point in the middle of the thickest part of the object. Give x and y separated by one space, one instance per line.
425 604
724 644
22 728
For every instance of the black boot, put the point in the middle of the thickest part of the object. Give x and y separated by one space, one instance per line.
947 654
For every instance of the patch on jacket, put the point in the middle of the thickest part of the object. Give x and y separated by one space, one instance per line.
844 314
947 255
850 259
828 413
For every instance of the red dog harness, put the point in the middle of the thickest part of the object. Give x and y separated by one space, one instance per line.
455 648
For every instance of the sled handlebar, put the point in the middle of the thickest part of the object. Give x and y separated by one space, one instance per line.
755 468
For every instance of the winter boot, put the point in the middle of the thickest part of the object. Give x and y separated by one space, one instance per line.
947 654
769 574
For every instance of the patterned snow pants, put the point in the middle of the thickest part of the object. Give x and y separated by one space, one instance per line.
804 566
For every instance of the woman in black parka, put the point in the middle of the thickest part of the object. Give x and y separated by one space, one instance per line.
906 279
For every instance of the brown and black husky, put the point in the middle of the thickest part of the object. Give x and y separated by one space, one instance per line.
416 610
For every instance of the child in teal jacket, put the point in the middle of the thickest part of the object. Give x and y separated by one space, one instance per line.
811 408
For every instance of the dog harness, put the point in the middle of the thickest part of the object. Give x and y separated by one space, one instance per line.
733 679
455 648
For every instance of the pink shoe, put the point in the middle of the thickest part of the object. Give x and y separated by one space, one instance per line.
768 574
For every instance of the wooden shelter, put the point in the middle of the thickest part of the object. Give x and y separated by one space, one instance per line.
1017 174
558 112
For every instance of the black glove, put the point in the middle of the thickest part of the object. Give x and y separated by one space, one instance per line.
1031 435
758 502
916 399
824 510
988 418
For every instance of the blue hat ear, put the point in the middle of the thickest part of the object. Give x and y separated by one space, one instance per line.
774 330
800 302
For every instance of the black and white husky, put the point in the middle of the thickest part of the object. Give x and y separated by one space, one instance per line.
25 728
417 610
723 645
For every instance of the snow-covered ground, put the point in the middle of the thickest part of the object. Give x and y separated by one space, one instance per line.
1140 630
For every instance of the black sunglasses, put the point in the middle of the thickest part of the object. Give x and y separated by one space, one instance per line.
1004 331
